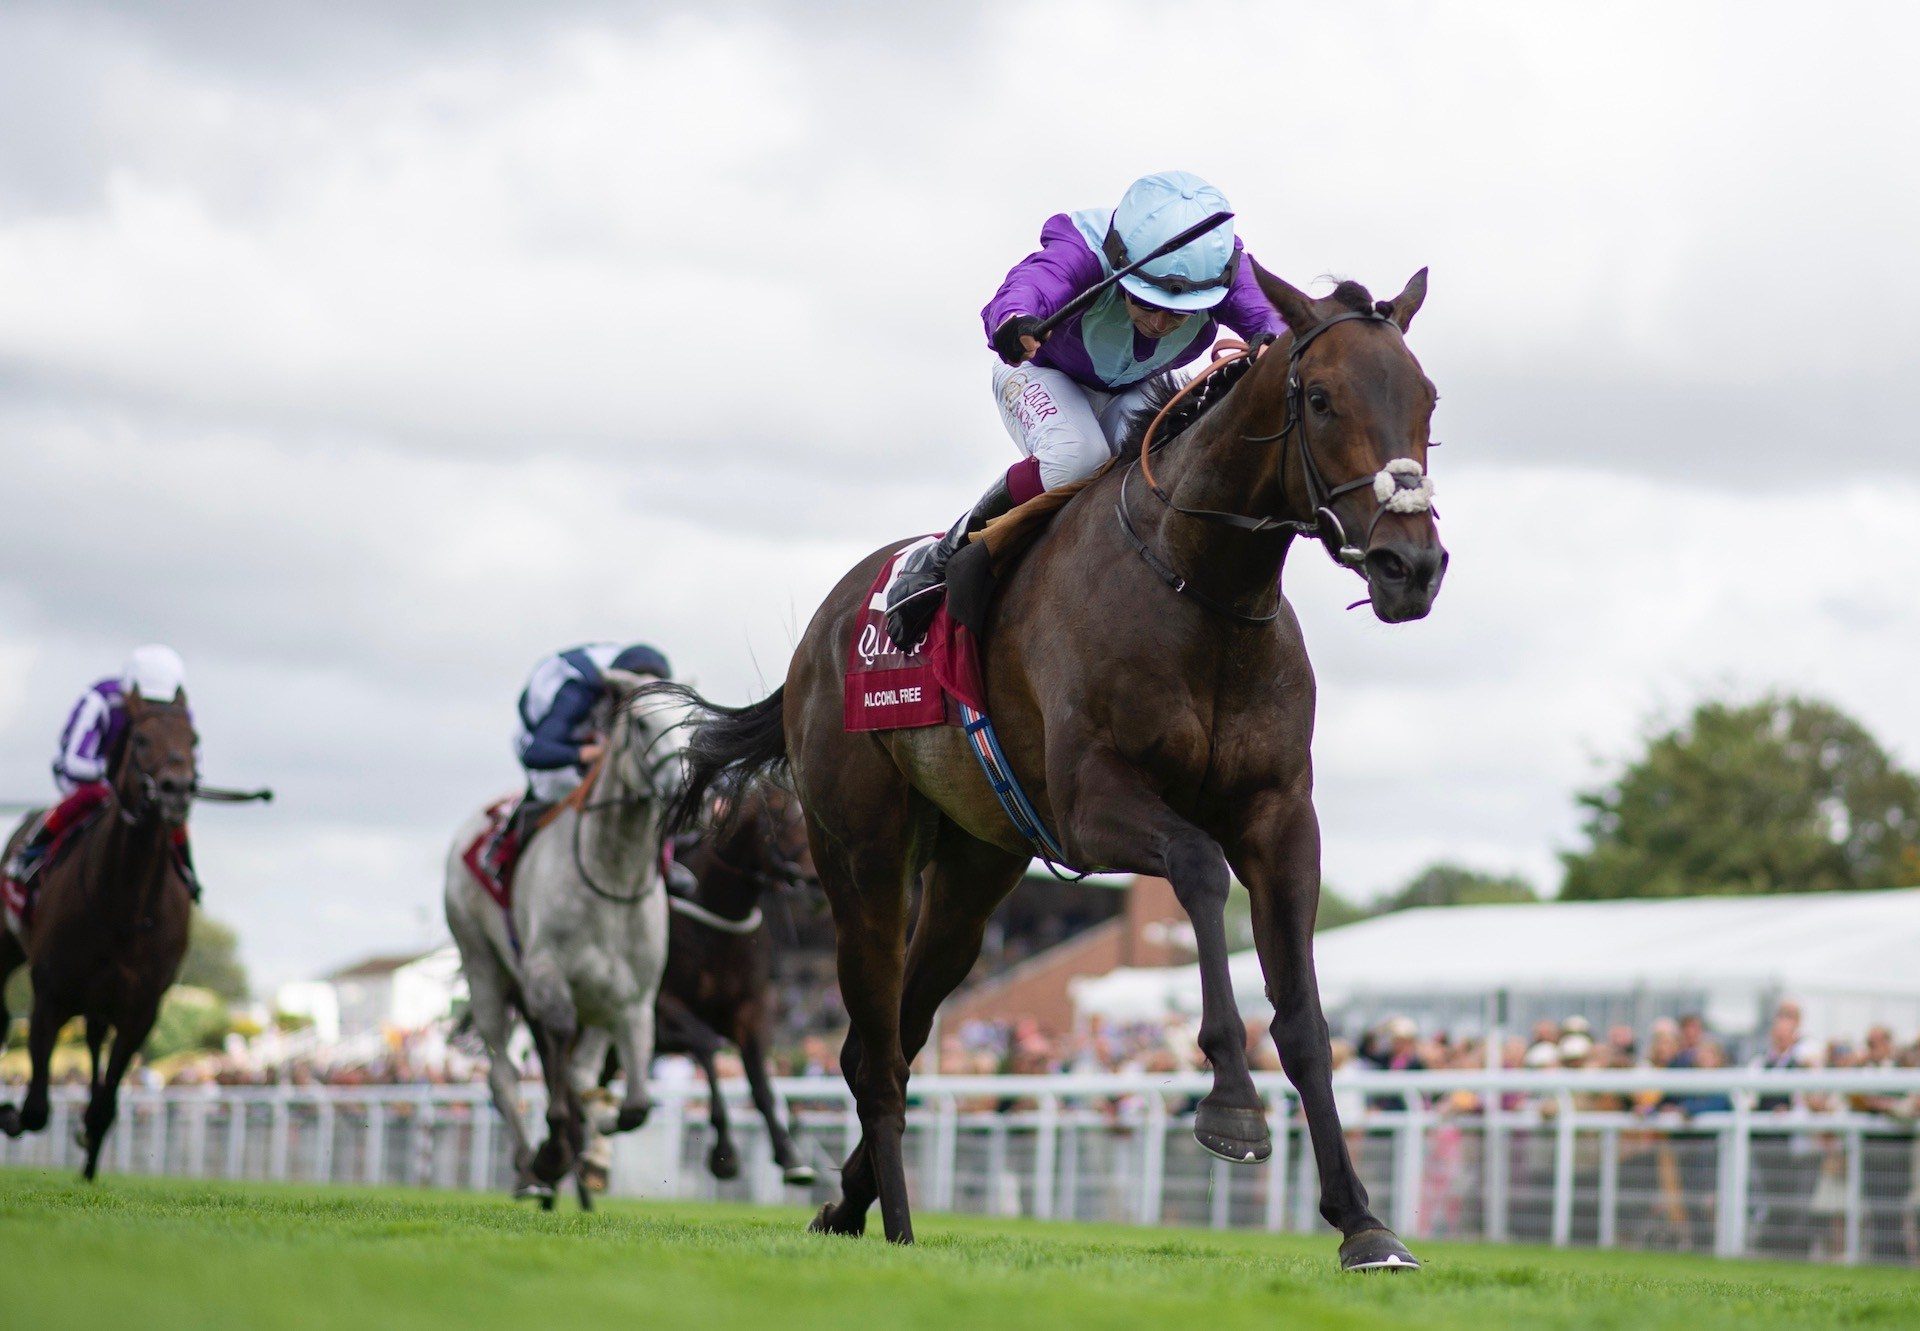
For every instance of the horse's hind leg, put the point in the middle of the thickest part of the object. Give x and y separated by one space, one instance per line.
680 1029
489 1003
968 878
128 1036
865 877
753 1057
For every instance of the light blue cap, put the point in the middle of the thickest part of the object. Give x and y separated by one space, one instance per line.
1153 211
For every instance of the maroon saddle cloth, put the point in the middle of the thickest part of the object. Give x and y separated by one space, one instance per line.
893 689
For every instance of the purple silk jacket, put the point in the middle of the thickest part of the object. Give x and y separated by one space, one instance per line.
1064 266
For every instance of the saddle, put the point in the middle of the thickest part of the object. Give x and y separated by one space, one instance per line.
17 894
492 855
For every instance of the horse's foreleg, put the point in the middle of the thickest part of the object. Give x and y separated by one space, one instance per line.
1115 821
1279 860
43 1032
634 1039
556 1023
102 1106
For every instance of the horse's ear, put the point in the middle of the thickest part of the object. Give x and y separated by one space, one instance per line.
1295 305
1404 306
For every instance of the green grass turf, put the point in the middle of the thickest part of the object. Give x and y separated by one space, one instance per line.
157 1253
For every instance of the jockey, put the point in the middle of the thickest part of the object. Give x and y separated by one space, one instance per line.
557 742
89 746
1066 402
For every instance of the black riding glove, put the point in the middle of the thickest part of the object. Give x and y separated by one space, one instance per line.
1006 338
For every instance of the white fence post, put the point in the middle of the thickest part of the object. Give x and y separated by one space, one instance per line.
1856 1199
1736 1158
1609 1186
1563 1170
1153 1158
1280 1127
1409 1165
1045 1149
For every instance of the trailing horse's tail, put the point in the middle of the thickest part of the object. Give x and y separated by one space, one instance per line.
729 747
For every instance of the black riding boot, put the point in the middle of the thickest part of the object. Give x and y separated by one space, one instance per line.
917 591
32 854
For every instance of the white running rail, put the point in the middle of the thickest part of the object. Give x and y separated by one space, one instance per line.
1819 1165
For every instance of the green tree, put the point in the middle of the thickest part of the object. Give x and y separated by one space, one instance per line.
1337 909
1785 794
1455 885
213 959
191 1018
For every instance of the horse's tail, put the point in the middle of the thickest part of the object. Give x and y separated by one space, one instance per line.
729 747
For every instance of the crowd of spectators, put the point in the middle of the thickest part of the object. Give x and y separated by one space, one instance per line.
1027 1047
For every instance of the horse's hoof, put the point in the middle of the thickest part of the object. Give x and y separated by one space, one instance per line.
631 1117
593 1176
10 1120
1236 1135
546 1202
827 1222
1376 1250
799 1176
723 1164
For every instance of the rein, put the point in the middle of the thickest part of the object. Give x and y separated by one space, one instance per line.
1392 491
693 910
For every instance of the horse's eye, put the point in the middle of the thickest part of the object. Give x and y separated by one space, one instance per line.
1317 399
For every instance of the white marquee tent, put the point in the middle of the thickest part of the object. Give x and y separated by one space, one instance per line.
1850 958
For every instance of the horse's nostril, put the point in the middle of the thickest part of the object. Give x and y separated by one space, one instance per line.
1388 566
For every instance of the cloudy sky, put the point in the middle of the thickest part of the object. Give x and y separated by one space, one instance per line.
366 356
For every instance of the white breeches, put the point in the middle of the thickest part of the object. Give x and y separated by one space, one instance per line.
553 785
1069 428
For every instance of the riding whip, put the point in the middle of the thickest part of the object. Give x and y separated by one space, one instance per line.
1098 289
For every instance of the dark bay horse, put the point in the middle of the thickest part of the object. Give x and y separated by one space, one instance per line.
110 919
1152 691
718 987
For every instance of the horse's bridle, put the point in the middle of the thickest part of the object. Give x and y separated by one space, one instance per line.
654 791
1325 525
148 789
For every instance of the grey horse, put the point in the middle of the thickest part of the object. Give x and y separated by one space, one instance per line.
583 954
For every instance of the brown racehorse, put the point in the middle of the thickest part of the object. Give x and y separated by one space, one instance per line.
1152 691
718 987
110 920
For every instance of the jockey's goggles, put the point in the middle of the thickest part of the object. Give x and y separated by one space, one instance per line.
1174 284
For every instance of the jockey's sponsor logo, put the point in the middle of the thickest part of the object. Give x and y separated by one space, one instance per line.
1040 402
1027 401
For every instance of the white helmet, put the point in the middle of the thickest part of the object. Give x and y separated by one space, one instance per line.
1154 210
155 672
